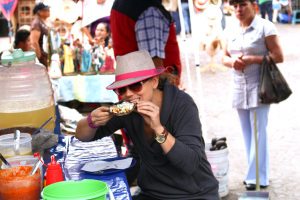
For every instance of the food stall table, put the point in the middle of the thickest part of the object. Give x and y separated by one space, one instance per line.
73 154
85 88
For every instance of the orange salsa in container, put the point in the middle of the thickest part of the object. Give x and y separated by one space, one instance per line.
17 183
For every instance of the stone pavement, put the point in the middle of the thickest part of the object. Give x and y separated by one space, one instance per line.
211 91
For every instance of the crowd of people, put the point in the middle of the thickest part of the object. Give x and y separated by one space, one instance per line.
76 54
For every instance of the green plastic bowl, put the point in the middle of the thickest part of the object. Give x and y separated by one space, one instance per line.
76 190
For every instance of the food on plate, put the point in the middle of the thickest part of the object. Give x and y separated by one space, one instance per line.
122 108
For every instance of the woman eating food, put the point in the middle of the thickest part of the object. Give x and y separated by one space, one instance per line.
164 127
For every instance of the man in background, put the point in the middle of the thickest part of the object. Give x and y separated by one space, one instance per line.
186 16
266 7
22 40
146 25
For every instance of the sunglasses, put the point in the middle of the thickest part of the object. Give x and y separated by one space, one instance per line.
136 87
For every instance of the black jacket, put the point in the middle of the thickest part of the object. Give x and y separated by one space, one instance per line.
183 173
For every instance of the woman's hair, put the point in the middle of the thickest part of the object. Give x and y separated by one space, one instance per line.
167 77
21 36
231 2
171 75
106 25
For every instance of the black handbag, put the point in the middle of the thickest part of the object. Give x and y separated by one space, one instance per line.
273 87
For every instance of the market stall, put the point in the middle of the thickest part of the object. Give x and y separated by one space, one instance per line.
73 78
85 88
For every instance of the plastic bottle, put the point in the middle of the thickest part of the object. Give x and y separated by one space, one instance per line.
54 172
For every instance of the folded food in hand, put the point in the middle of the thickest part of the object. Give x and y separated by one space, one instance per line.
122 108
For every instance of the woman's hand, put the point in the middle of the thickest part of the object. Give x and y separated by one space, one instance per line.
238 63
101 116
151 114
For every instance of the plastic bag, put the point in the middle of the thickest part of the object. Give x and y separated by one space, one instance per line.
273 87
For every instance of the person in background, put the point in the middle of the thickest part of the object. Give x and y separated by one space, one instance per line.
93 19
90 30
22 40
39 30
146 25
172 7
266 7
101 38
102 34
109 63
186 16
247 43
165 129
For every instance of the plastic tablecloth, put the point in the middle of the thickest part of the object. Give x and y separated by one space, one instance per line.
84 88
73 154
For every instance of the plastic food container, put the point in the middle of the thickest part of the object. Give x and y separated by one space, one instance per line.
9 147
76 190
29 160
21 161
16 183
24 161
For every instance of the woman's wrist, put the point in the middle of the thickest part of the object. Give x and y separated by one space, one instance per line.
90 122
162 136
159 130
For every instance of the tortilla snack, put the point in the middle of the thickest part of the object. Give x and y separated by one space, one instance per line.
122 108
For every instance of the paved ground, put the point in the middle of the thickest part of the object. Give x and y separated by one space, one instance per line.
211 91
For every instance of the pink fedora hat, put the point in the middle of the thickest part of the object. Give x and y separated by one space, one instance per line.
134 67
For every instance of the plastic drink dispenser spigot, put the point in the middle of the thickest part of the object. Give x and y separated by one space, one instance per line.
54 172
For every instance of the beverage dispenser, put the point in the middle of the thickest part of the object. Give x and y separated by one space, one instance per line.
26 95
